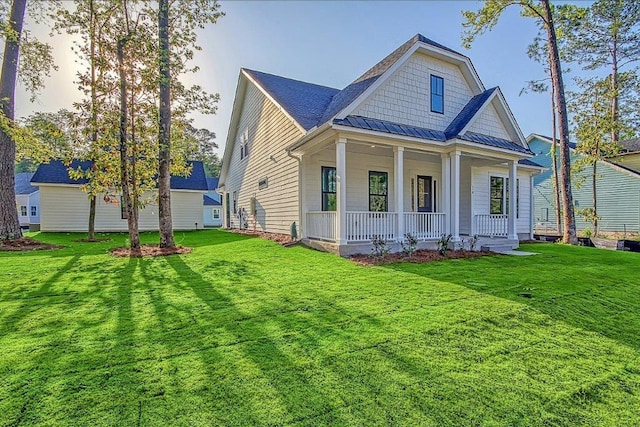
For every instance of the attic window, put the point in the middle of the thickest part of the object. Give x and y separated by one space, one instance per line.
244 144
437 94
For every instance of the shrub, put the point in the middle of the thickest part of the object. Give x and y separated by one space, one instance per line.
409 245
473 242
380 248
443 244
587 233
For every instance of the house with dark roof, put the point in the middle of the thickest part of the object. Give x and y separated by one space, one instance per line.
416 145
27 201
617 189
211 205
65 205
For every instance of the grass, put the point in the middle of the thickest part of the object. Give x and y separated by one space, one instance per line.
244 332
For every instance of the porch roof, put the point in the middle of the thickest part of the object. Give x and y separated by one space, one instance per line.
368 123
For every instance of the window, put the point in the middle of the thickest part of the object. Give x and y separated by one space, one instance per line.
378 191
216 213
499 196
34 210
235 202
23 210
244 144
437 94
329 202
123 208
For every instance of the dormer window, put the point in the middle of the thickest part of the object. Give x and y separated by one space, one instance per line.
437 94
244 144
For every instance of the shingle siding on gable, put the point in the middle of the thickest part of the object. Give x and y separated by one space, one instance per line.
270 131
405 96
489 123
618 194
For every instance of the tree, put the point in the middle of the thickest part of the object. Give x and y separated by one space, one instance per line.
485 19
164 132
199 145
30 67
606 36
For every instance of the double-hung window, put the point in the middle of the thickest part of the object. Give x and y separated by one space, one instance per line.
499 196
244 144
437 94
329 202
34 210
378 191
23 211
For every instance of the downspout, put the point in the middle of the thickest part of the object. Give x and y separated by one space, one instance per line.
302 223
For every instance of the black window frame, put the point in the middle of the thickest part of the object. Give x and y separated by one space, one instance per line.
34 211
325 192
23 211
385 194
504 198
434 94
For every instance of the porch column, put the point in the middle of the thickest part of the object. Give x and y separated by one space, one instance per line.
455 196
513 199
446 191
341 191
531 208
398 156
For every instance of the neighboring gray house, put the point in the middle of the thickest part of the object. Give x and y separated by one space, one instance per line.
617 188
27 201
416 145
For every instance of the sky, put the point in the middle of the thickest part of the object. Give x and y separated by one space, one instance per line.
329 43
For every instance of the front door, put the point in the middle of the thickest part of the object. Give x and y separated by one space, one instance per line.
424 194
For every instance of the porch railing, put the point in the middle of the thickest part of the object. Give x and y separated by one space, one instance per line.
493 225
322 225
363 226
423 225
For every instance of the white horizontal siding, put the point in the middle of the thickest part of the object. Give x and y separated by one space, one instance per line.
67 209
270 131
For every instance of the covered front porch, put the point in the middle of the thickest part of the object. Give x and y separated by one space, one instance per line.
355 189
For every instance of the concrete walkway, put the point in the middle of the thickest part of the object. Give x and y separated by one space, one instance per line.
516 253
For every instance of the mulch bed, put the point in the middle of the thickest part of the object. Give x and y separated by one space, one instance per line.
149 251
26 244
420 256
283 239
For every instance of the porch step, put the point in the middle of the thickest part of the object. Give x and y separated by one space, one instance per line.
497 248
498 245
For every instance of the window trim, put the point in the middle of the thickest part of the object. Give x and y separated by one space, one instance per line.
215 214
235 202
386 194
244 144
505 195
323 205
432 93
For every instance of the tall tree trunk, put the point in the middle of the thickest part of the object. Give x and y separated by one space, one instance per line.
554 158
569 232
164 131
615 130
132 222
94 119
9 223
595 198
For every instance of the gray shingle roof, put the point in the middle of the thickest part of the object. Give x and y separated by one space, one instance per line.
631 145
23 184
56 172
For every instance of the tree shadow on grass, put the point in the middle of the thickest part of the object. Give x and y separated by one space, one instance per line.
587 297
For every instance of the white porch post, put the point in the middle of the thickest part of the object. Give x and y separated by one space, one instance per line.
341 190
531 208
455 196
446 191
513 200
398 155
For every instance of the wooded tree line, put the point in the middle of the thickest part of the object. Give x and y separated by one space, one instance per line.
133 121
602 41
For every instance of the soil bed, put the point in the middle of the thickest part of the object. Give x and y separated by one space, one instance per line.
26 244
149 251
419 256
282 239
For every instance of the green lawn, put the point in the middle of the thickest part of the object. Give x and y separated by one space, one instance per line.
244 332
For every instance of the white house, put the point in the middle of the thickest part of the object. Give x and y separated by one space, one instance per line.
27 201
65 207
415 145
211 205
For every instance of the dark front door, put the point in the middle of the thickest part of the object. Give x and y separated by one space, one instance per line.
425 196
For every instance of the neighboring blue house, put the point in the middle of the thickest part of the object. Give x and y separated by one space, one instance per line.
617 188
27 201
211 205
